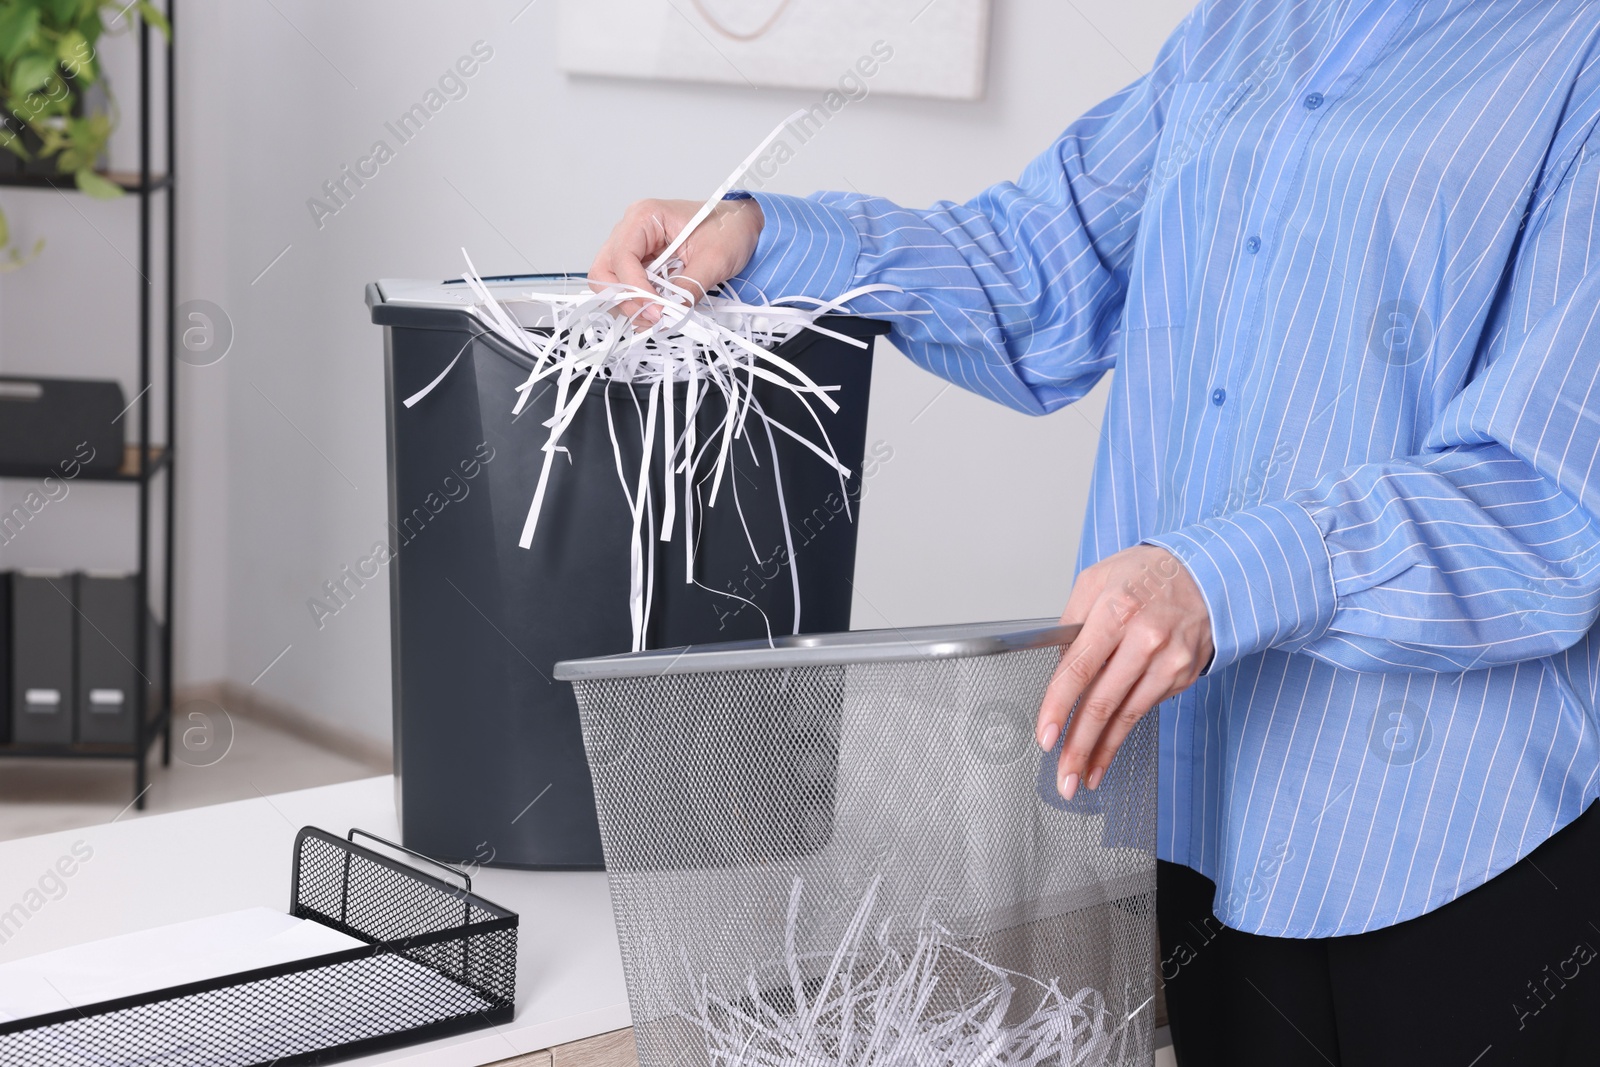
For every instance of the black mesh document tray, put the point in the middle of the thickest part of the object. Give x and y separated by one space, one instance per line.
438 961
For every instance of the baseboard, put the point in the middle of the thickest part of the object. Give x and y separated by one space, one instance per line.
249 703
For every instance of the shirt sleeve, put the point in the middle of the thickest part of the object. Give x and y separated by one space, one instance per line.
1017 292
1481 550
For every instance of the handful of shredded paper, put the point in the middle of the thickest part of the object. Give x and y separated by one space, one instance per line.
871 1004
713 345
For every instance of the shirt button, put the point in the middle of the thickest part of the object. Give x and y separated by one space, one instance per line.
1313 101
1219 396
1253 245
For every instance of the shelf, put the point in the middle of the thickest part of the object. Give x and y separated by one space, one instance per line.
128 472
81 750
157 366
127 180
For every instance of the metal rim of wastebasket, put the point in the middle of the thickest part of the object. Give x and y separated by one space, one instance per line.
921 643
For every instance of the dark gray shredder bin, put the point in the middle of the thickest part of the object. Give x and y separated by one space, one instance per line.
489 754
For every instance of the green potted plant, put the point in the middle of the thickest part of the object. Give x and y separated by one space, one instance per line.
48 59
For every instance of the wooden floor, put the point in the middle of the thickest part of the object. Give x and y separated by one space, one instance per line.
616 1050
607 1050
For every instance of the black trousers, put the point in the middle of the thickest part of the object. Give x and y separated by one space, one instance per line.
1508 973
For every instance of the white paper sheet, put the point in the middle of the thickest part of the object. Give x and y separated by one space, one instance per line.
156 959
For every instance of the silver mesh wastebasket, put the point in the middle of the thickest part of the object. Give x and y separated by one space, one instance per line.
846 850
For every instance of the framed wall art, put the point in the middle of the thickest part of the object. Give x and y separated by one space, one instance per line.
934 48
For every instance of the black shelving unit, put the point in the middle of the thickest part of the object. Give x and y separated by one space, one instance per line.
147 464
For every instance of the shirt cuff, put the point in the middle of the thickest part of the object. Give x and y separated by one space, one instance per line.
1265 575
806 249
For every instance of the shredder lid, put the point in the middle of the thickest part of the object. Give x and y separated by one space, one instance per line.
417 302
817 650
512 291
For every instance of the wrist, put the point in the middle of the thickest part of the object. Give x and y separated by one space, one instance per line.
1264 574
748 212
740 221
803 248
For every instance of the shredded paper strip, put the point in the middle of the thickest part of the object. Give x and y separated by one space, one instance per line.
709 346
880 1001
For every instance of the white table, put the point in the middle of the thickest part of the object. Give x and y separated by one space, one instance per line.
161 869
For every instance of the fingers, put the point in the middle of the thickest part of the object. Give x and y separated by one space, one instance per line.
720 249
603 275
696 290
1145 635
645 230
1079 665
1168 676
1080 661
1100 704
640 244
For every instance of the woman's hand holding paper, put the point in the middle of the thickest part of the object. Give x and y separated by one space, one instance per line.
717 250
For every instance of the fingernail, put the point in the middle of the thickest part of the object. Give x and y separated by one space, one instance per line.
1094 778
1069 787
1047 740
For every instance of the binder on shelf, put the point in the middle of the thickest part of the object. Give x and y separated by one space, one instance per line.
61 425
5 657
156 675
42 676
108 649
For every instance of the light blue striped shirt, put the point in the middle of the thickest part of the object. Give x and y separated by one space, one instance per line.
1343 257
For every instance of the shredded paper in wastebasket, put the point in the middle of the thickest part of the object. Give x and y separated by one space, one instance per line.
878 1002
711 345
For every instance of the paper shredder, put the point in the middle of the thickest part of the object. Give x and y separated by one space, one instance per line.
489 755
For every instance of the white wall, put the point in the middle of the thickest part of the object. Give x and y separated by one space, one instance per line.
977 516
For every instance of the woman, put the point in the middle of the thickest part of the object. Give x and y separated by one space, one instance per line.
1345 525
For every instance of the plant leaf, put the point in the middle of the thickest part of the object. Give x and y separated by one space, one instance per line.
76 56
89 23
152 14
13 144
96 186
32 107
65 12
18 22
12 258
15 260
33 71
